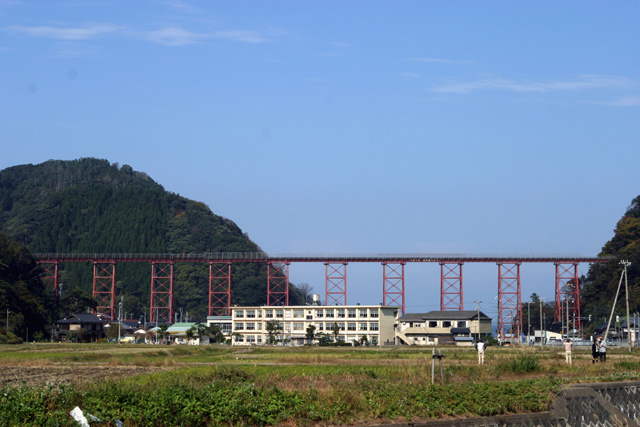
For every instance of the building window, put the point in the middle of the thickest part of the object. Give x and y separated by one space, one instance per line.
251 326
446 324
239 338
374 340
351 326
287 327
433 324
239 326
268 314
320 326
280 313
287 314
259 339
225 328
374 312
363 326
251 313
363 312
319 313
258 326
351 313
298 326
329 314
298 314
239 313
462 324
341 313
341 326
373 326
251 339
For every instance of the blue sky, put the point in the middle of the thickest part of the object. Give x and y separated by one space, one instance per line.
348 127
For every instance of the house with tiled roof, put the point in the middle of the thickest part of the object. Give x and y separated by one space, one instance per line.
81 327
442 328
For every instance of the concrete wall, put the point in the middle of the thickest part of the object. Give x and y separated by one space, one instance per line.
601 404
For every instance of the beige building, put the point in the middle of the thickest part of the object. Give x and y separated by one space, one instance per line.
442 328
375 322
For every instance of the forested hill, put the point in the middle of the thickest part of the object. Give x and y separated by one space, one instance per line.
601 283
90 205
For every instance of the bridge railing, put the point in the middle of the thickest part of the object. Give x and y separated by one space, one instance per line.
324 257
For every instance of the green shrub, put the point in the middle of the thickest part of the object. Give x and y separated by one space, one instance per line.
523 363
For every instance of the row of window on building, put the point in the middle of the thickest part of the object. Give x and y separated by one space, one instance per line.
300 326
440 324
258 339
299 313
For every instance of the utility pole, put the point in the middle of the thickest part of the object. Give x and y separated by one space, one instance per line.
119 318
529 320
626 287
567 300
541 324
478 308
8 320
615 300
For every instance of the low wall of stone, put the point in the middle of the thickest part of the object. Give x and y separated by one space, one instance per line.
581 405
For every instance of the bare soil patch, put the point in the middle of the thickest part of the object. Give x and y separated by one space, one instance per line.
69 374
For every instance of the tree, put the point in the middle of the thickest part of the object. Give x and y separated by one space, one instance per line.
336 331
200 328
323 339
215 334
273 327
77 301
601 282
21 290
114 331
190 332
311 331
162 331
306 292
94 206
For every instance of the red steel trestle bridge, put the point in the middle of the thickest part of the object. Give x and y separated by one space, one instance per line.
567 290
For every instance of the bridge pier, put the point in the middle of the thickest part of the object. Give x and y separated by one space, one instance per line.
51 278
219 289
393 284
104 287
451 294
567 294
161 308
509 300
277 283
335 283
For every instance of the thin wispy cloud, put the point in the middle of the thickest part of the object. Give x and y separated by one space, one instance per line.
240 36
625 101
175 36
586 82
172 36
63 33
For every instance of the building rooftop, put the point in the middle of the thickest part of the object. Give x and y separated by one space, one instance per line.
443 315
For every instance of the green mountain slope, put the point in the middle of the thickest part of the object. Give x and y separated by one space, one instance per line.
601 283
92 206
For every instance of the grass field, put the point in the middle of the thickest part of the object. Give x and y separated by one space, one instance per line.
155 385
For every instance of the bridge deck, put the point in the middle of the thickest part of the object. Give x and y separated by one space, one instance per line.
329 258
